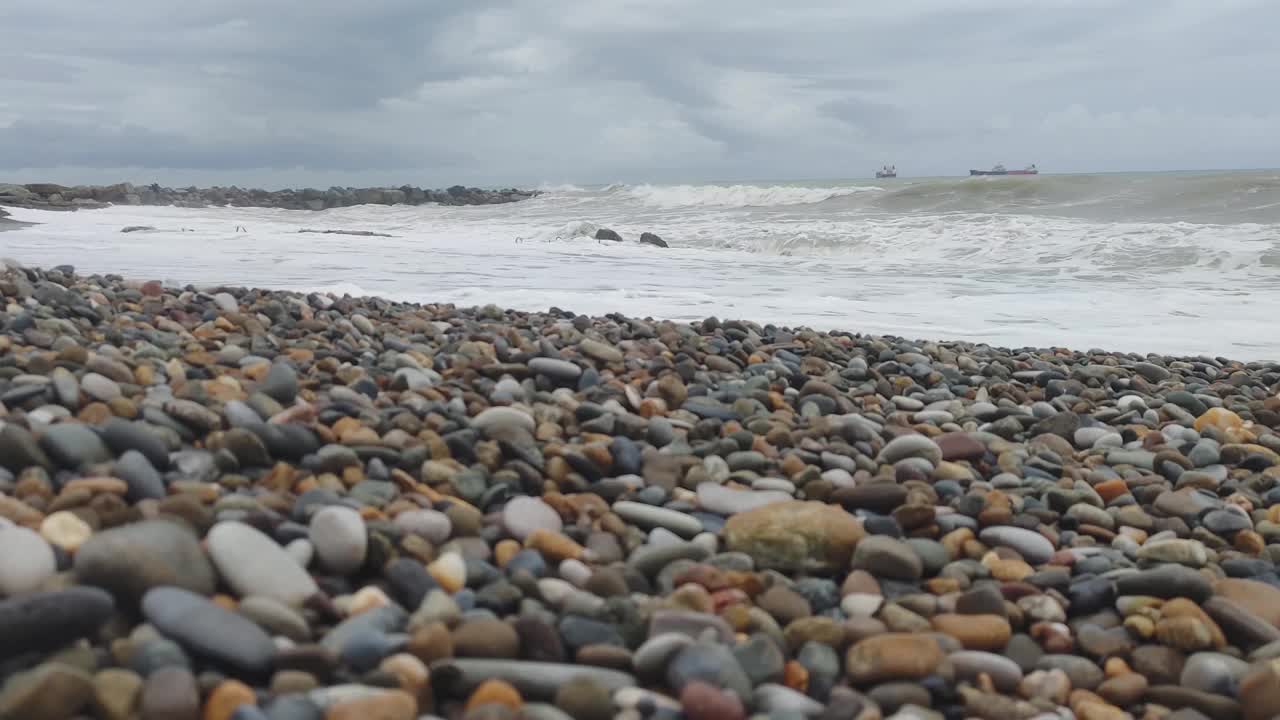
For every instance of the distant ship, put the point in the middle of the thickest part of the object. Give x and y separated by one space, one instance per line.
888 171
1000 170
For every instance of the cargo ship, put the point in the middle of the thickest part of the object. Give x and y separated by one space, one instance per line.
1000 170
888 171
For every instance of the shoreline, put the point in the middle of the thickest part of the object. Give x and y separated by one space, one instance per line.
348 507
51 196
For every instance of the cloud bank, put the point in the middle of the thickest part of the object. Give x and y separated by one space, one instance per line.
518 92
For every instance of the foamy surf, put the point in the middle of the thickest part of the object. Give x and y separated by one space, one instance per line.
1033 271
738 196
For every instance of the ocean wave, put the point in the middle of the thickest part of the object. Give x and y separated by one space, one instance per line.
1211 198
738 196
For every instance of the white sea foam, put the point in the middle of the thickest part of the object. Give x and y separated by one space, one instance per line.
738 196
1008 275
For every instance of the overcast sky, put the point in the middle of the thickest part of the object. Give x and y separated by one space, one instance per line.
323 92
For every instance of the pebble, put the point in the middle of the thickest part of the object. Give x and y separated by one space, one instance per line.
254 564
52 691
523 515
339 537
207 630
237 504
1031 545
131 559
26 562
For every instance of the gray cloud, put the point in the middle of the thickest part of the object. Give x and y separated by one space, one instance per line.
504 91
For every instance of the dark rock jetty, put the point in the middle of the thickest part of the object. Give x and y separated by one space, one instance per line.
48 196
237 504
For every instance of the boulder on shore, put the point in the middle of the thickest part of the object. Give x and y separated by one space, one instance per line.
649 238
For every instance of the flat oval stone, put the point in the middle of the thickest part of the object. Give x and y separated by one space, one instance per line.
72 445
910 446
649 516
728 501
554 368
1031 545
503 417
47 620
129 560
208 630
523 515
433 525
254 564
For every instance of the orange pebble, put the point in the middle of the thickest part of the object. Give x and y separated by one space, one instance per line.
554 545
495 692
795 676
226 602
1111 489
225 698
504 551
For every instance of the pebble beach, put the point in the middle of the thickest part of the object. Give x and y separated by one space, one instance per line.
222 503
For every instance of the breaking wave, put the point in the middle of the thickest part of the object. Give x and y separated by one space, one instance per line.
738 196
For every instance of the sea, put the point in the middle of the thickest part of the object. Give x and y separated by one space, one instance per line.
1169 263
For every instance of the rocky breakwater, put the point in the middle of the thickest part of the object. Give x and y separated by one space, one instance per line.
239 504
48 196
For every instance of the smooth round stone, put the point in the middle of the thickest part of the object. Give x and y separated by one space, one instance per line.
275 617
208 630
503 418
1191 553
523 515
1226 522
556 369
910 446
861 604
432 525
301 551
129 560
140 477
652 657
1166 581
340 538
1213 672
887 557
1087 437
711 663
170 693
780 699
1032 546
254 564
728 501
776 484
1004 672
26 560
650 517
100 388
73 445
239 414
280 384
226 302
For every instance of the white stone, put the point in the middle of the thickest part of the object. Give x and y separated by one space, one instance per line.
26 560
339 536
522 515
503 417
254 564
433 525
728 501
226 302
